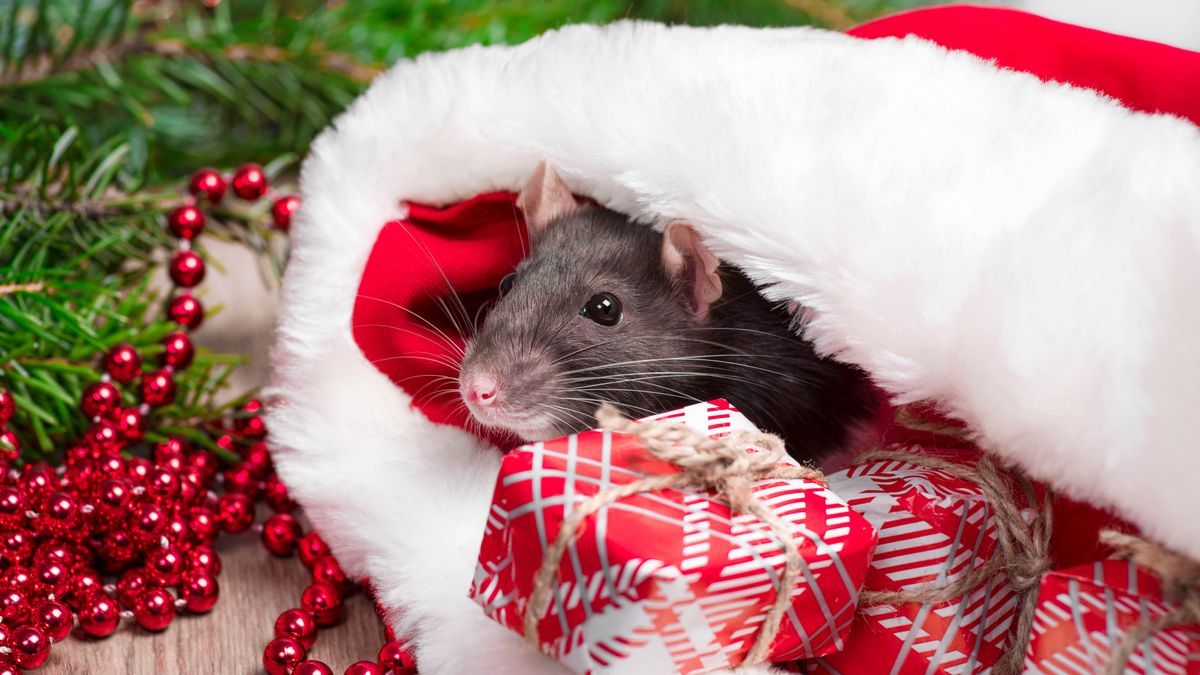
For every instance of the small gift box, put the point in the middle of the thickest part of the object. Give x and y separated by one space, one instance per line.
1084 614
934 528
669 580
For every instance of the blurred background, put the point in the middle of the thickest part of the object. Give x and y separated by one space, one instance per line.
106 109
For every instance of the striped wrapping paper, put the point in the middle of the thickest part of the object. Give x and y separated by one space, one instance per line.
1084 612
668 581
933 528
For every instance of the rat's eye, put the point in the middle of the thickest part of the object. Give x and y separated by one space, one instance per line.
603 308
506 283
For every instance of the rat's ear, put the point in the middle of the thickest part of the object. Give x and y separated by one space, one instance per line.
545 199
687 259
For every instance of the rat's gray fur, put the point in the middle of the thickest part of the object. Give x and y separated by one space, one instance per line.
557 366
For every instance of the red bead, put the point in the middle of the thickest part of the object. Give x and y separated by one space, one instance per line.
199 591
186 269
131 585
111 465
12 506
235 512
178 530
54 618
149 524
113 497
56 551
84 584
10 445
17 547
280 534
327 569
364 668
8 407
186 222
99 399
130 422
51 576
312 668
250 427
297 624
60 514
311 548
161 484
258 458
282 655
185 310
178 350
138 468
282 211
276 494
154 609
249 182
253 406
30 647
203 558
8 669
39 478
205 461
99 616
122 363
14 607
158 388
203 525
17 577
103 438
243 478
394 658
119 547
323 602
209 183
165 566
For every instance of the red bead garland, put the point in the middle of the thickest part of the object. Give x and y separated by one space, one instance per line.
146 522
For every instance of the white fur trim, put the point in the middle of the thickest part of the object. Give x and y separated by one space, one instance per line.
1025 254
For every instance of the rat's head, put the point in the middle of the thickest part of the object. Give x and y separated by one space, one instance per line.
596 313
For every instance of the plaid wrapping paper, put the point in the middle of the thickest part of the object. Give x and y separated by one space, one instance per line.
933 528
1084 612
666 581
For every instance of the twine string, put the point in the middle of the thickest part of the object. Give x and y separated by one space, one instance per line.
1022 546
1181 583
719 464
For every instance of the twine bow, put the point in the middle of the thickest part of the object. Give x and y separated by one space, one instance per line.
1181 584
721 465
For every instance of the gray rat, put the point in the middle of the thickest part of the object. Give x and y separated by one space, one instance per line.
604 310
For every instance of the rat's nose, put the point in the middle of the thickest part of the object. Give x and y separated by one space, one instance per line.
482 390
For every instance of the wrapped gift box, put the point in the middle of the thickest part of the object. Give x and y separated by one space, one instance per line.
668 581
933 528
1084 612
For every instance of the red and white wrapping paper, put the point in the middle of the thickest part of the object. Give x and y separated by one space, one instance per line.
1084 612
667 581
933 528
